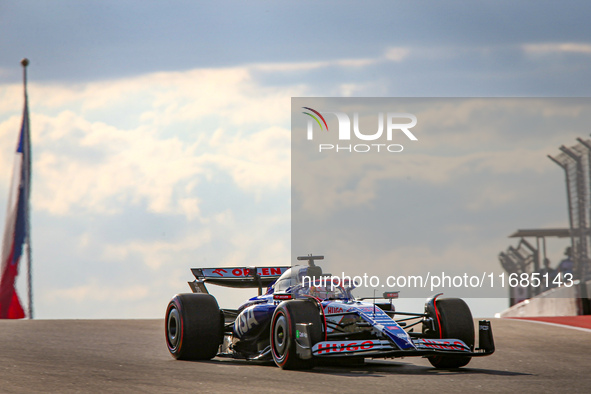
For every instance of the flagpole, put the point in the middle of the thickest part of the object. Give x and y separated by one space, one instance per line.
25 63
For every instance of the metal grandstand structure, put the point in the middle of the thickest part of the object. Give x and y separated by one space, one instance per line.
576 164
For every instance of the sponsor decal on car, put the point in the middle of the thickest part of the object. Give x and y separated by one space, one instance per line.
240 272
219 271
441 344
333 347
245 322
334 309
386 326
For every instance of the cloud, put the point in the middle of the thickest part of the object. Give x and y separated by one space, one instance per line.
462 143
309 66
396 54
557 48
390 54
345 185
290 67
8 140
157 172
102 168
155 254
262 159
96 292
103 145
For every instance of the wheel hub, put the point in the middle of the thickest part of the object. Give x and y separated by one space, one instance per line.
173 328
280 335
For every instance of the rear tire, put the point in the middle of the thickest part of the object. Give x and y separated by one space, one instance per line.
193 327
456 322
283 328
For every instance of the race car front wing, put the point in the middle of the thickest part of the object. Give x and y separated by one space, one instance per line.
385 348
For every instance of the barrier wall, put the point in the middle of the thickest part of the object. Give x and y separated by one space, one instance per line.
561 301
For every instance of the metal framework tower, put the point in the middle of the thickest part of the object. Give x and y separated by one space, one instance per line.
576 163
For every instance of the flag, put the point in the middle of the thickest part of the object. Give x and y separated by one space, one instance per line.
16 227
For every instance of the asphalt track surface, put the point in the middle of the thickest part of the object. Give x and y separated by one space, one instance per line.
131 356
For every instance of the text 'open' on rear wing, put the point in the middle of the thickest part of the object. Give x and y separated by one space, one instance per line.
238 277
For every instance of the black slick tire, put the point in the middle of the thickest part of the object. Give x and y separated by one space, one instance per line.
283 332
193 327
453 320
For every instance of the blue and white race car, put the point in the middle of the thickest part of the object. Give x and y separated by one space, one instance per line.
304 317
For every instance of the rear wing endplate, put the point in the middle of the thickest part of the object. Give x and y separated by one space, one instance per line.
237 277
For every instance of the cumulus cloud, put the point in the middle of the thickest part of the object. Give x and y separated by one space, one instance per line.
207 151
133 155
156 253
101 145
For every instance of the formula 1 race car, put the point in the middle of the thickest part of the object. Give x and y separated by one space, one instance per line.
305 316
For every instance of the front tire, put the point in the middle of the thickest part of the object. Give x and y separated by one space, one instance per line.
454 321
283 332
193 327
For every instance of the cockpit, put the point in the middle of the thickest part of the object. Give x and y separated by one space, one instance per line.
302 281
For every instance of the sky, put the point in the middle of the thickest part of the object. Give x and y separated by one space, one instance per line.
434 199
161 130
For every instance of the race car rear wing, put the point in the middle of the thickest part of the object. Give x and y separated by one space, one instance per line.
238 277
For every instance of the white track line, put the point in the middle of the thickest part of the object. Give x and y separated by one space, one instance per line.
554 324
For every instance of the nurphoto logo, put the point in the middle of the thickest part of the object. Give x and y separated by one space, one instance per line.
396 125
